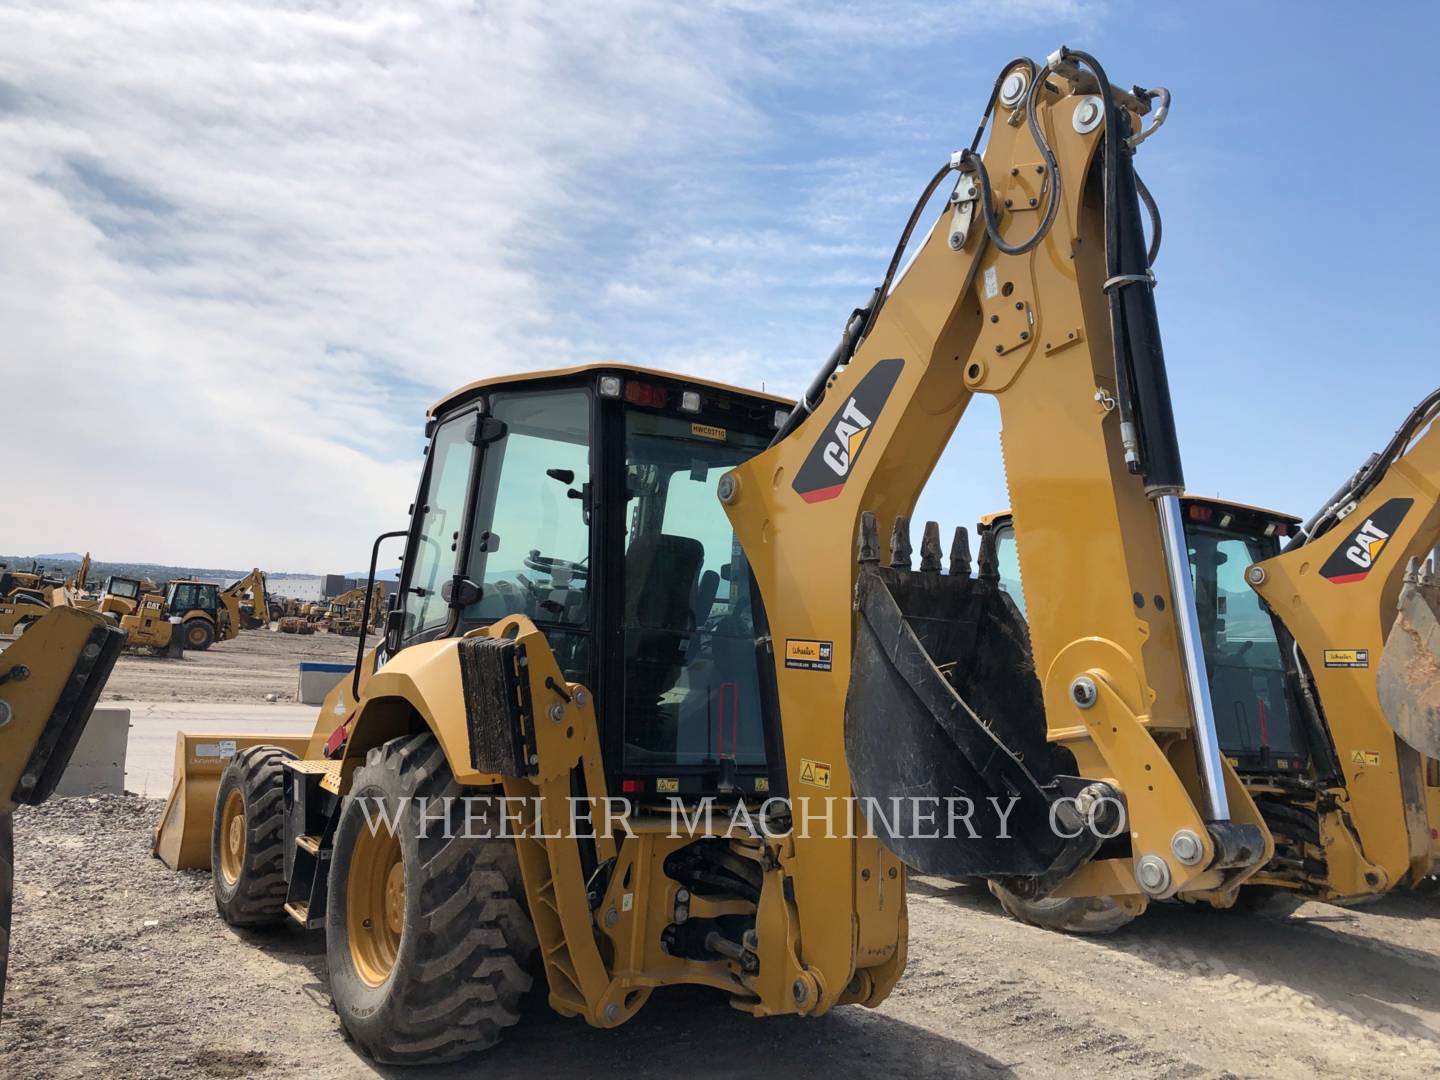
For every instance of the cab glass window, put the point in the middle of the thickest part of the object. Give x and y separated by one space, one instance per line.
436 524
691 682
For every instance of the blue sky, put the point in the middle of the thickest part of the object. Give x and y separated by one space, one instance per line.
248 243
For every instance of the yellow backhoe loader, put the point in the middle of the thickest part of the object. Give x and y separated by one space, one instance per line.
208 613
49 683
1354 811
642 718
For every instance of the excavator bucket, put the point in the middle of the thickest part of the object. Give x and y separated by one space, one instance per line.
1408 678
944 716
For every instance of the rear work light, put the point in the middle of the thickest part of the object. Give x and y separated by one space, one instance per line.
689 401
610 385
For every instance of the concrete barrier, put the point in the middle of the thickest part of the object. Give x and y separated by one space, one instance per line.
98 765
318 679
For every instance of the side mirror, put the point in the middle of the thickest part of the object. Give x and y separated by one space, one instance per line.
487 430
394 627
565 476
460 592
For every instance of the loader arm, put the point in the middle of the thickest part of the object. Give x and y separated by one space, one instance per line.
1093 472
1338 590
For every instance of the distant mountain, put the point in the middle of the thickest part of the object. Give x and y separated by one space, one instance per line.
393 574
59 556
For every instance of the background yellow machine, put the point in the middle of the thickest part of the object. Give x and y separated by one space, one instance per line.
1275 723
49 682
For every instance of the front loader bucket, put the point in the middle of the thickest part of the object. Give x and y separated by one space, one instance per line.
1408 678
944 713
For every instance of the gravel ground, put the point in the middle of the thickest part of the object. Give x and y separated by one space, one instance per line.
257 663
122 969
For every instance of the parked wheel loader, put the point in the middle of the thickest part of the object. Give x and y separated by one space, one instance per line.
643 714
49 682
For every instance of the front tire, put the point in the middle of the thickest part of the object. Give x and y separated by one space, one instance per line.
1065 914
247 839
429 946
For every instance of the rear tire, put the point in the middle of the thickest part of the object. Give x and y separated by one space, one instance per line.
1065 914
247 839
199 634
428 942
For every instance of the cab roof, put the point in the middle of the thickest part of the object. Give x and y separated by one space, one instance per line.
524 378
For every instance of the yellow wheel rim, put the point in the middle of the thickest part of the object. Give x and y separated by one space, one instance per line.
197 635
375 915
232 837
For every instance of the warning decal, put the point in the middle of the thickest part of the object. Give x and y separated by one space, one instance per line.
815 773
1365 757
1347 658
809 655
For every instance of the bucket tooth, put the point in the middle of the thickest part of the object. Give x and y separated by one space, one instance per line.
869 539
930 548
1407 679
900 549
988 561
960 553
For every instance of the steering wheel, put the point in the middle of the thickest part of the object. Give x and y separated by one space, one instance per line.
546 564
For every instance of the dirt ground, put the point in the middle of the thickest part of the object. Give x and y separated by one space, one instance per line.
121 968
257 663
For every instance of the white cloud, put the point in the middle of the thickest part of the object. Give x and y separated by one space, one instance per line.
246 244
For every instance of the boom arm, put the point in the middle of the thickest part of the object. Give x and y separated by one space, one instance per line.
254 582
1021 308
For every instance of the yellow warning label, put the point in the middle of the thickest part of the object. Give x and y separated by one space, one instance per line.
815 773
1365 757
1235 761
666 784
762 783
705 431
1359 658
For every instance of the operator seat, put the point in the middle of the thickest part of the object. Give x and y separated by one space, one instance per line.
661 571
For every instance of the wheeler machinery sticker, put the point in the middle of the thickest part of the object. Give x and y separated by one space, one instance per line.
1352 560
809 655
1357 658
823 473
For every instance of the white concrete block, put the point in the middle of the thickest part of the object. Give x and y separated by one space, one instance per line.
98 765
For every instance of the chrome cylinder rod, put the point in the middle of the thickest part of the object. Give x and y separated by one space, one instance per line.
1197 678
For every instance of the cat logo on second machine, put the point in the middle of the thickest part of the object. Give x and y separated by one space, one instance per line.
1358 552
